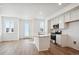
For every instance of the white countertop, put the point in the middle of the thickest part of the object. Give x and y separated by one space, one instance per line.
41 36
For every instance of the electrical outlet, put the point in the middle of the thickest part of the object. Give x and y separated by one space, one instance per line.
74 42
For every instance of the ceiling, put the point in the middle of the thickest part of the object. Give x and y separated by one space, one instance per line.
28 10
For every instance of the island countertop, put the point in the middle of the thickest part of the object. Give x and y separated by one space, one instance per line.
41 36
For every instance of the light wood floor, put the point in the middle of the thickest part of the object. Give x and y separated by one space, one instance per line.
26 47
21 47
57 50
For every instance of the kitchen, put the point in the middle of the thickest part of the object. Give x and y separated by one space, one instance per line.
36 26
39 29
66 24
63 25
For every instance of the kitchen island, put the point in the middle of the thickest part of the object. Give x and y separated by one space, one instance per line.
42 42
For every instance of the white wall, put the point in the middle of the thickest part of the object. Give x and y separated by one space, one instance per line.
46 27
0 24
0 29
73 34
36 26
21 28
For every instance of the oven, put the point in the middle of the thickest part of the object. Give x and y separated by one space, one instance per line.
53 37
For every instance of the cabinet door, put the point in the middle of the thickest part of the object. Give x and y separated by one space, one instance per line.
58 39
36 42
75 14
51 24
56 20
67 17
64 41
61 22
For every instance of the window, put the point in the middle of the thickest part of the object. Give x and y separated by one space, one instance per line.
9 26
42 26
12 26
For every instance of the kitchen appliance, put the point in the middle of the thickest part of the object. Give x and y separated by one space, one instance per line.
53 35
56 26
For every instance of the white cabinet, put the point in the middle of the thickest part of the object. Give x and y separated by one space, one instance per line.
49 25
36 42
52 22
61 22
67 17
42 42
58 39
74 14
56 20
62 40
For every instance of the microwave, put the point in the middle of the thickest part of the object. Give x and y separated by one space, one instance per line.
56 26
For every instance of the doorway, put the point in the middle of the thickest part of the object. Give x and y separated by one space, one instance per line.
26 29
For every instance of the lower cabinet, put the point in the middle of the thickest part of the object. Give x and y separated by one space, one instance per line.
42 42
61 40
58 39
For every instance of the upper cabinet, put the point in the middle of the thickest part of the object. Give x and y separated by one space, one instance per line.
56 20
61 21
67 16
51 24
74 14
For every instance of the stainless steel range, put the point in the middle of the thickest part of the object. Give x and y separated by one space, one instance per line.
53 36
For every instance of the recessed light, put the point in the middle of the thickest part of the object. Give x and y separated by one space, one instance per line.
59 3
40 13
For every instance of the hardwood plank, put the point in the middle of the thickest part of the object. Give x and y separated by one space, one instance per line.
57 50
27 47
21 47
